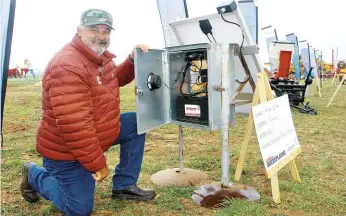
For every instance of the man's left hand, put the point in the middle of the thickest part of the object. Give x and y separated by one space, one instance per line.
143 47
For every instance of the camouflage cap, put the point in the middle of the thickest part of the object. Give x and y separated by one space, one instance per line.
96 17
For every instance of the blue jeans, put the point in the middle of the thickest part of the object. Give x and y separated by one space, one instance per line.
32 72
71 187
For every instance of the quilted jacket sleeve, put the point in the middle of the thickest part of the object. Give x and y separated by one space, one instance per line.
125 72
70 98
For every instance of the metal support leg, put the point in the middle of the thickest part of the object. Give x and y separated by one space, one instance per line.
225 110
212 195
181 148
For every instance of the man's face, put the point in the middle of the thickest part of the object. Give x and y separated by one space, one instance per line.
96 37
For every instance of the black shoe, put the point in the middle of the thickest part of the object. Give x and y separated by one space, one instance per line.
133 193
25 189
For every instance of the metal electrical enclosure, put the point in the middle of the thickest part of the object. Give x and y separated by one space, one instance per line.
158 107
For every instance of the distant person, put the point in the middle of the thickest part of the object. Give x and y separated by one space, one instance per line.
27 64
81 119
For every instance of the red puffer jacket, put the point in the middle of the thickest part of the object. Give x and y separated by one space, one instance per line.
80 116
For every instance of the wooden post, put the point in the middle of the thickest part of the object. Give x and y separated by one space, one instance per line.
248 132
294 171
275 188
336 91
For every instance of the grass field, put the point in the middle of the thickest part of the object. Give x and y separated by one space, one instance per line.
322 164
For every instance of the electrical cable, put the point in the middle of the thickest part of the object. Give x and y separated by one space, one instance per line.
168 86
184 74
208 38
199 73
244 82
227 21
230 21
175 85
213 37
199 69
206 28
241 55
180 72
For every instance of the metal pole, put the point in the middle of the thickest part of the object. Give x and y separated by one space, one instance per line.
225 112
333 71
335 65
186 11
6 58
181 149
322 67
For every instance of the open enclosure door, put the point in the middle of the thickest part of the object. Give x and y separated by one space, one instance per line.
151 105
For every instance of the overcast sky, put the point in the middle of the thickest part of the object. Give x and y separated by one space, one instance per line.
42 27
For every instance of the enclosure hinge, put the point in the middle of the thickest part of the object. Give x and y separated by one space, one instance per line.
219 88
138 91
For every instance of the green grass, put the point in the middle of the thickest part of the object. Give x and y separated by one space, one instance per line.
322 164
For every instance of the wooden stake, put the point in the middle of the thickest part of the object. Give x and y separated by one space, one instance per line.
336 91
275 188
294 171
248 132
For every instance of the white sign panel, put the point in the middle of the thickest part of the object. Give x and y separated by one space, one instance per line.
275 131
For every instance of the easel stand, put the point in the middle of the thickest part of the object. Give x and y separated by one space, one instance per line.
334 78
337 90
262 94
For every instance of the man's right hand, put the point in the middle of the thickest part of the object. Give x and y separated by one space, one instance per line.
100 175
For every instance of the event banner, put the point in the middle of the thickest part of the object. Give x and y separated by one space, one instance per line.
313 61
250 13
320 64
5 13
171 11
320 57
6 29
305 57
295 58
270 35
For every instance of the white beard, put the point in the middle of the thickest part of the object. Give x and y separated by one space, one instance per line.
98 51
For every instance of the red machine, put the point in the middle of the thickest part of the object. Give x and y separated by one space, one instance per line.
284 66
280 54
